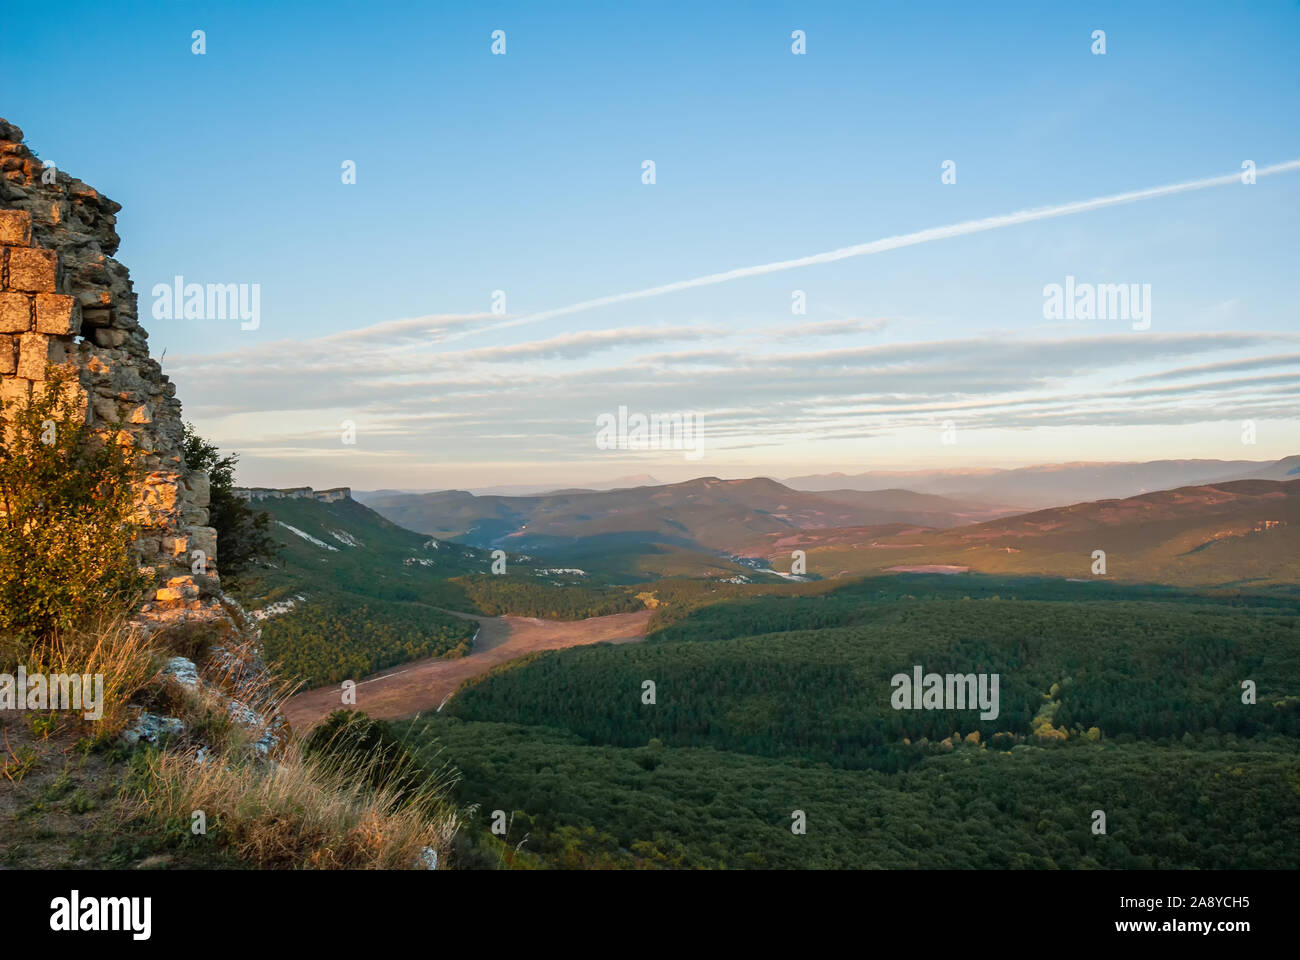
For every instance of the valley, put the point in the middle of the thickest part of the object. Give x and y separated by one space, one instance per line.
780 437
1123 699
772 693
426 685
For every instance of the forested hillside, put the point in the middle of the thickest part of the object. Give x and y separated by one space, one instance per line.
351 593
1107 695
1211 804
341 637
344 546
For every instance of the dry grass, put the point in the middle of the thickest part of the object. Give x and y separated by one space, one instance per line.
235 673
119 651
301 813
285 811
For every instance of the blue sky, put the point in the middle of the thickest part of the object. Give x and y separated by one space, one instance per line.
522 173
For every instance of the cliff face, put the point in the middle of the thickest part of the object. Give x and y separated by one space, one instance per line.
65 300
332 495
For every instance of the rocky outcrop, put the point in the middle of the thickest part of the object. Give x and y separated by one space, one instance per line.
65 300
332 495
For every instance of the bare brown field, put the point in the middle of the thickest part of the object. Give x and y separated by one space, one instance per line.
412 688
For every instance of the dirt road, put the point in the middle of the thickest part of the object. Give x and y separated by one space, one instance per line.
411 688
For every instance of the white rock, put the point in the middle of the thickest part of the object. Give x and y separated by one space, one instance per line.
307 536
149 727
183 671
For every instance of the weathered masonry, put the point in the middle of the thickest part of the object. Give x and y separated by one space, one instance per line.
65 300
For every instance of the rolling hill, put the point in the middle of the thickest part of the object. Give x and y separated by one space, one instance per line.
706 514
1054 485
351 592
1245 531
345 546
1288 468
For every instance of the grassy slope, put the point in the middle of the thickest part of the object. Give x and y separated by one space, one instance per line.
377 567
65 806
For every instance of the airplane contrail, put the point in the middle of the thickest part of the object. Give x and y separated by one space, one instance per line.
888 243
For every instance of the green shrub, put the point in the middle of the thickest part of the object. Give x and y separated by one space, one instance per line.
67 504
243 538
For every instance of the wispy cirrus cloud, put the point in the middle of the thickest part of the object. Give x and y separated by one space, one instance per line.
1222 366
885 244
431 328
826 328
484 404
568 346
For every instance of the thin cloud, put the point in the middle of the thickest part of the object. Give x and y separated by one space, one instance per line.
826 328
893 243
434 326
1225 366
571 345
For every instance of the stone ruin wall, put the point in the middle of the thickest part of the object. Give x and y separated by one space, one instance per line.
65 300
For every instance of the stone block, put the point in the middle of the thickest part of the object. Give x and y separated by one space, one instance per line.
15 228
96 316
31 269
105 337
57 314
35 351
105 409
200 488
205 539
78 399
193 514
15 313
90 299
186 586
14 392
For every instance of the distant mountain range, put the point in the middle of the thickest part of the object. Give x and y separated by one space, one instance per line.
1053 485
1027 488
529 490
1239 532
1236 527
706 513
525 489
